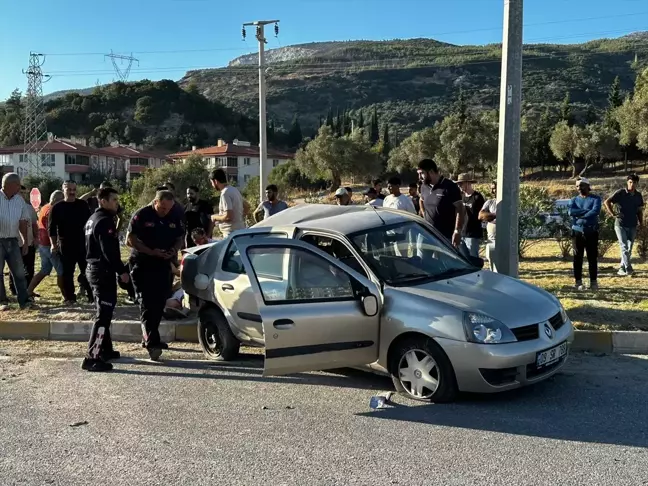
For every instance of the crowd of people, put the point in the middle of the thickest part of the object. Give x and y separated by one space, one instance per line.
71 232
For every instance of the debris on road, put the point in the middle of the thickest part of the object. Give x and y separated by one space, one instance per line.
79 424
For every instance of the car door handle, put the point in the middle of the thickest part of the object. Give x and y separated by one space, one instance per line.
283 324
227 287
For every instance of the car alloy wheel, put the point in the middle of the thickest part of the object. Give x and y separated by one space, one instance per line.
419 374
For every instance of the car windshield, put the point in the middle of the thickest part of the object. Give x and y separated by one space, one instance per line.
408 253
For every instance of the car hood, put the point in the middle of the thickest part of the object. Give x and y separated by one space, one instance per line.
511 301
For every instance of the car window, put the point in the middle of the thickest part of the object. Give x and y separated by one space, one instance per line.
304 277
232 261
336 249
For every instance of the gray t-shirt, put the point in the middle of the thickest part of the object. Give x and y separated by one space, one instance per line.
231 200
628 206
270 209
491 207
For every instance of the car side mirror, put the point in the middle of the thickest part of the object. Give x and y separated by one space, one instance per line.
476 261
370 305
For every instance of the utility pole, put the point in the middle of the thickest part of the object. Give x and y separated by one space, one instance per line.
122 73
264 170
508 156
35 130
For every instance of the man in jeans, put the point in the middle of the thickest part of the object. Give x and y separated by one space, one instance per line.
29 260
629 214
584 210
473 201
14 221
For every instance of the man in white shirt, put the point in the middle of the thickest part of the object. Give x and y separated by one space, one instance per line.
232 208
396 200
15 219
372 198
487 216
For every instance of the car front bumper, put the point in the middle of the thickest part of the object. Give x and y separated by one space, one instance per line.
484 368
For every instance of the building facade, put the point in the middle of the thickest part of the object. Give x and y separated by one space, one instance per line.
239 160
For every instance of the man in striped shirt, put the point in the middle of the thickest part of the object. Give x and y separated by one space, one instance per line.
14 221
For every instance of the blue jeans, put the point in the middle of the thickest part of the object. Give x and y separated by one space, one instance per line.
49 261
11 254
470 246
626 237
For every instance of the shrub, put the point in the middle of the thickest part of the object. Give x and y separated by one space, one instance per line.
642 240
607 236
45 184
561 231
533 202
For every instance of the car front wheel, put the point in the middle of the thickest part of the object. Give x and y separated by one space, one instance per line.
215 336
420 370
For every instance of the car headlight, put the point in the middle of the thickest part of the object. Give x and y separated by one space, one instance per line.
482 329
563 313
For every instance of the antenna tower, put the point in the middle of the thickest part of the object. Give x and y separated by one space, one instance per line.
35 127
122 73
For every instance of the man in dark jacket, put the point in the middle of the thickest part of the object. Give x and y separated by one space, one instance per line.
104 263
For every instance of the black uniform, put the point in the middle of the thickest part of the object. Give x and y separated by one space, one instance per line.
104 263
151 275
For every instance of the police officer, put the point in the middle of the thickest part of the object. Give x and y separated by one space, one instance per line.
155 234
104 262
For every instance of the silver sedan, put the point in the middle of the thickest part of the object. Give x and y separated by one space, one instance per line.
324 287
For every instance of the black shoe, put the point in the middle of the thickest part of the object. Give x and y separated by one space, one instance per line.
111 355
154 353
162 345
95 365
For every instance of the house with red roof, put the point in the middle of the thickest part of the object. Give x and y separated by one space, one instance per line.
239 159
73 159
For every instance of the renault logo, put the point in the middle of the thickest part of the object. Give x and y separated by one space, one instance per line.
548 331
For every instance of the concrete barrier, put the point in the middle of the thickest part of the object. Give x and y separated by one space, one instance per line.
622 342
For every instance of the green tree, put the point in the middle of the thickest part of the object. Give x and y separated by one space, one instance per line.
329 118
361 120
566 110
295 135
632 115
614 97
460 107
374 130
564 143
144 110
419 145
460 144
386 144
12 120
331 157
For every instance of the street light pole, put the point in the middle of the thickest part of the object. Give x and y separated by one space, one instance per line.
508 156
264 170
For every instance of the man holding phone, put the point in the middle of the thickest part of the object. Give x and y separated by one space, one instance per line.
155 235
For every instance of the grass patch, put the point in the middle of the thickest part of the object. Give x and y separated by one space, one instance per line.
621 303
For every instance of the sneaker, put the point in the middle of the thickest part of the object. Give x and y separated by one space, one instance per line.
162 345
111 355
27 305
579 285
594 286
154 353
629 271
95 365
622 272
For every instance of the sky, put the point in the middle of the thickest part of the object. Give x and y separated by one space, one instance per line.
168 37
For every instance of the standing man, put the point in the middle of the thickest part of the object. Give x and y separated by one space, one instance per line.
629 214
29 260
371 196
155 235
197 213
14 222
584 210
67 233
377 185
441 202
104 263
487 217
232 208
414 196
396 200
271 206
342 197
48 259
93 201
473 202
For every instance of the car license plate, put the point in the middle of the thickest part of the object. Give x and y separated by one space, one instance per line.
545 358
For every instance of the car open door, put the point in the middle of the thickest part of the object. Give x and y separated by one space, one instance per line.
319 314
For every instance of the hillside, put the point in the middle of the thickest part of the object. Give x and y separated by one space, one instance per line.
158 114
413 82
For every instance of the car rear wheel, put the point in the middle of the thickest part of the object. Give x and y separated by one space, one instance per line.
421 371
215 336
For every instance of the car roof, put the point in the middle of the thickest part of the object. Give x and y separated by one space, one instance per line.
341 219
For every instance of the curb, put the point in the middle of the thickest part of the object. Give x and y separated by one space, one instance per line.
621 342
128 331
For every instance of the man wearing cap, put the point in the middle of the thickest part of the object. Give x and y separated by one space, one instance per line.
629 214
584 210
473 201
371 196
342 197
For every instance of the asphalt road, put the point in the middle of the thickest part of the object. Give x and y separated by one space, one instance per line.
192 422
